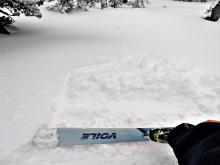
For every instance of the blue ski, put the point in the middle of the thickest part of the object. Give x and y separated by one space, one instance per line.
85 136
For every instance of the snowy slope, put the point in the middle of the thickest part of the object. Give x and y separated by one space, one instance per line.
164 71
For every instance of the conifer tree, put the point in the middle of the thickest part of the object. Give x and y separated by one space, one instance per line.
138 4
214 12
10 8
67 6
115 3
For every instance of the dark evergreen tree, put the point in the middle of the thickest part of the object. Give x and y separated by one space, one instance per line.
214 12
138 4
67 6
64 6
104 4
10 8
115 3
83 4
92 3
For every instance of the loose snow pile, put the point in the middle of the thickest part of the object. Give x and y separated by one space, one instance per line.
136 91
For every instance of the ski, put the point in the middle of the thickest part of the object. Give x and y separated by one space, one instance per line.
52 137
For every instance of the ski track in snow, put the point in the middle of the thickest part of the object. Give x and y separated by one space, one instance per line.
134 91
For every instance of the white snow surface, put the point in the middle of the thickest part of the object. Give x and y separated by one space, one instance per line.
151 67
136 91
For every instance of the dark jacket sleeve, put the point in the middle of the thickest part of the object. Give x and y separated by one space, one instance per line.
196 145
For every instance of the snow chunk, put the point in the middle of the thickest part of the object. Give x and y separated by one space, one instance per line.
46 138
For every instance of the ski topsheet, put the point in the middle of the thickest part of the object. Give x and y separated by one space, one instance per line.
83 136
74 136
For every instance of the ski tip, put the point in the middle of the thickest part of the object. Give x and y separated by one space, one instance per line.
46 138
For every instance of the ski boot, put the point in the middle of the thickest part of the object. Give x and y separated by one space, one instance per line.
159 134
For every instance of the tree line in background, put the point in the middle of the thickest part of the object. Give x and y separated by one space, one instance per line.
10 8
67 6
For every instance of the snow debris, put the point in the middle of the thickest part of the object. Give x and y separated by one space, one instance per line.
46 138
136 91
